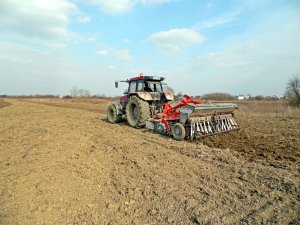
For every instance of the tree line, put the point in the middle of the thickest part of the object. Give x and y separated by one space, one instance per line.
292 94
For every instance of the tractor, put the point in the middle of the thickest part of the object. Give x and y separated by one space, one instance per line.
146 104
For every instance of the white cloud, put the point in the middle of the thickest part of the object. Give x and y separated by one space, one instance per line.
260 64
176 39
92 39
36 19
153 2
113 6
126 40
84 19
122 55
118 54
40 22
102 52
233 57
24 70
27 70
231 16
56 45
217 21
220 20
121 6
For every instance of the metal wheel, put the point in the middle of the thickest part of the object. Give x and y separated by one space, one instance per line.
160 128
178 131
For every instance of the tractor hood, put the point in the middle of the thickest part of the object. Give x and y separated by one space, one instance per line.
149 96
154 96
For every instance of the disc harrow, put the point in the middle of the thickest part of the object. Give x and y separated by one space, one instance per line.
209 125
191 119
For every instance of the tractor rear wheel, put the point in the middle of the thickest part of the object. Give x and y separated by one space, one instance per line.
112 115
178 131
137 112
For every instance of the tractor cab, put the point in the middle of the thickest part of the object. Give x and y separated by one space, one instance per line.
145 84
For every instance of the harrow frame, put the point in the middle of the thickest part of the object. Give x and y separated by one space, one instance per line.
198 120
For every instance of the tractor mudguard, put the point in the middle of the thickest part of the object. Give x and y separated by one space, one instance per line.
169 96
145 96
149 96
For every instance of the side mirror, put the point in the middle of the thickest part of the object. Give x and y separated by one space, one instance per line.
116 84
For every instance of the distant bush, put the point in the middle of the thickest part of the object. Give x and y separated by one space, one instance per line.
67 97
272 98
259 97
217 96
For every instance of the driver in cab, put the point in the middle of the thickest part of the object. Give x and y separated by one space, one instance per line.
147 88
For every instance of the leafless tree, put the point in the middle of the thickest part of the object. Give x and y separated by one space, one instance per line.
85 93
76 92
293 90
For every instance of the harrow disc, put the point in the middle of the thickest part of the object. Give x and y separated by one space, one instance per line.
209 125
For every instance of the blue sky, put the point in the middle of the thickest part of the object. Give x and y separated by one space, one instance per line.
200 46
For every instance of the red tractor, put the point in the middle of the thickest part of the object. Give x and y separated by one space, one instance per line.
145 103
143 99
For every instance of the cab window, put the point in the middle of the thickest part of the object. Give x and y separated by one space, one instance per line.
132 87
158 88
140 86
154 86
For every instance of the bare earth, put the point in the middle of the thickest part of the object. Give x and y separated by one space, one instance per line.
62 163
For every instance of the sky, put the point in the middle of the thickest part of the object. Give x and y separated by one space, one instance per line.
199 46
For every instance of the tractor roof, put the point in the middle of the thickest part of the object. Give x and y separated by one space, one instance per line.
147 78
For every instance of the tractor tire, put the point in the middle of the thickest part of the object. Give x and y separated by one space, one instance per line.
112 115
137 112
178 131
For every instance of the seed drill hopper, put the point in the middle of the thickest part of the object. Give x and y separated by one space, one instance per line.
147 104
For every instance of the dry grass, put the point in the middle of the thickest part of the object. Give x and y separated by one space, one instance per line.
74 100
246 108
270 108
87 104
4 103
92 100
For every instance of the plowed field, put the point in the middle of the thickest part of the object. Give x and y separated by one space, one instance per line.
62 163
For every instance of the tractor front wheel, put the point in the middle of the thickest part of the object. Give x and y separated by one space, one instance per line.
137 112
112 115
